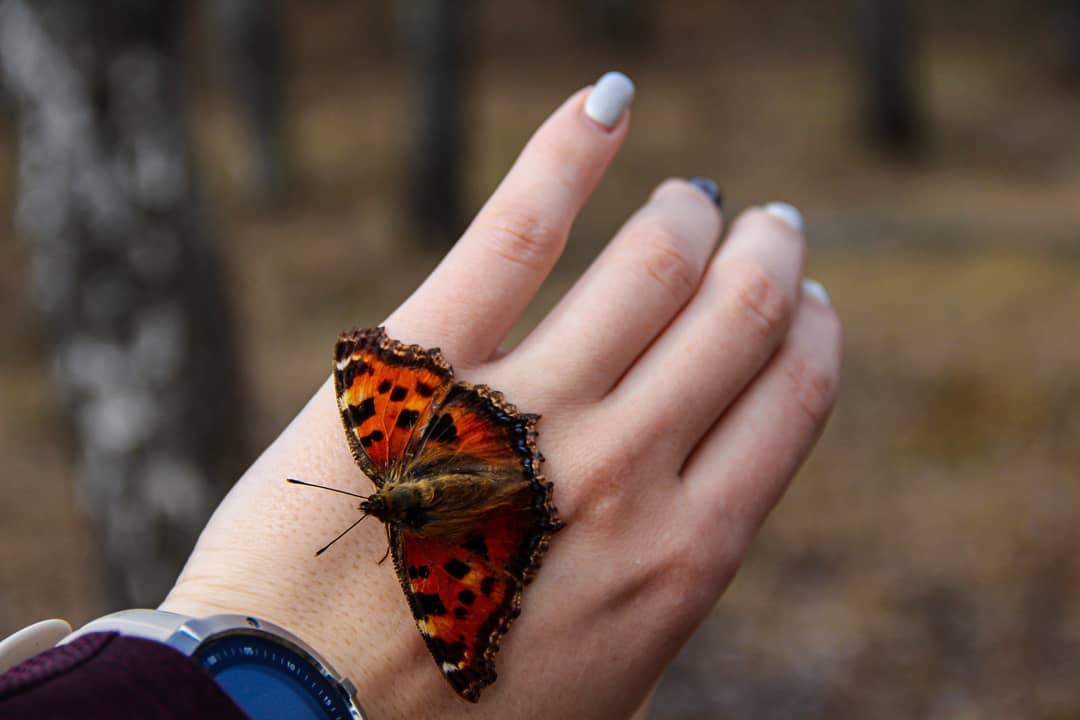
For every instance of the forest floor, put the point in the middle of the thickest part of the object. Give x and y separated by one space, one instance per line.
924 563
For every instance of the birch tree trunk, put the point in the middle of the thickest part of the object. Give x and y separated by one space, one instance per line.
134 317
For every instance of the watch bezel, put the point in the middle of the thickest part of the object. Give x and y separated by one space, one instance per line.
194 632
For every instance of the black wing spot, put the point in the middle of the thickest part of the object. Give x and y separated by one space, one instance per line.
360 414
428 604
452 653
353 370
421 571
461 613
487 585
456 568
475 544
385 386
399 394
444 430
407 418
357 367
467 596
424 390
373 437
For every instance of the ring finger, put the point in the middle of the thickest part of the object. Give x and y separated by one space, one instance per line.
722 338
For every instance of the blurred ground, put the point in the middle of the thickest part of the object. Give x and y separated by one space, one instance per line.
924 564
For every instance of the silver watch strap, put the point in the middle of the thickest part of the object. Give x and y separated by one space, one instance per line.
153 624
164 627
31 640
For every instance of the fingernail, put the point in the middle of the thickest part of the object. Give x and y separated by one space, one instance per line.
609 99
787 213
710 188
816 290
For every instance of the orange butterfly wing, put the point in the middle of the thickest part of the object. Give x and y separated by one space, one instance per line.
465 591
407 421
386 392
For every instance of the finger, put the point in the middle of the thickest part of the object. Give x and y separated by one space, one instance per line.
748 458
722 338
640 281
469 303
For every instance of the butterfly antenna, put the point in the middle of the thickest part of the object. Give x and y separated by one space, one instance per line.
325 487
326 547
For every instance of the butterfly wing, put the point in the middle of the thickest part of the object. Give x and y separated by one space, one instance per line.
386 392
464 585
463 574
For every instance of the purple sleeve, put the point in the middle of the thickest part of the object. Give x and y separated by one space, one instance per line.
105 675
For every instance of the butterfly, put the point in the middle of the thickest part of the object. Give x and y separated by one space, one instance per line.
458 485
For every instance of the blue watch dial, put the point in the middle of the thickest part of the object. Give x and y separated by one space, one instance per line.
270 679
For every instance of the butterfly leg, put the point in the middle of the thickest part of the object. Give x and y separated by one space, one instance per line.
387 553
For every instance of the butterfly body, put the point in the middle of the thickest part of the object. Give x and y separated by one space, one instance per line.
442 506
457 482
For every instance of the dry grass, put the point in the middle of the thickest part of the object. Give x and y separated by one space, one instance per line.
924 563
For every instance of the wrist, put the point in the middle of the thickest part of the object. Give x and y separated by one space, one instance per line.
343 604
263 668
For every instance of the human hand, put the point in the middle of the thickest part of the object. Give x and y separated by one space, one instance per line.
679 392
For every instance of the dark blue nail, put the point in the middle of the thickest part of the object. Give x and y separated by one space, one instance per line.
710 188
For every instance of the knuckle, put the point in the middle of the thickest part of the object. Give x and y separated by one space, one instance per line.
697 563
666 260
759 298
604 506
603 502
686 561
523 238
813 386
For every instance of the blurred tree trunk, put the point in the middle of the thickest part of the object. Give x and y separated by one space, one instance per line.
1066 17
129 291
628 25
892 106
251 38
436 60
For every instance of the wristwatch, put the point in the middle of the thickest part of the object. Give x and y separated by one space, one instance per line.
269 672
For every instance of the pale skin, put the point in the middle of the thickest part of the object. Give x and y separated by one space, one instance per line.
682 381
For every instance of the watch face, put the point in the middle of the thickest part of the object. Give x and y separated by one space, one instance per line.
270 678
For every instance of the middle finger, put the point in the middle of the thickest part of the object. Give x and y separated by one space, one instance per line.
640 281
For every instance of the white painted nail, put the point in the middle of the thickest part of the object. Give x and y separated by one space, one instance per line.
787 213
815 290
609 98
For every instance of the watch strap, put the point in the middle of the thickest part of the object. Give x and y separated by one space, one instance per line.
181 632
152 624
31 640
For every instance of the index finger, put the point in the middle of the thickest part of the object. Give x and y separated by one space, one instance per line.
472 299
